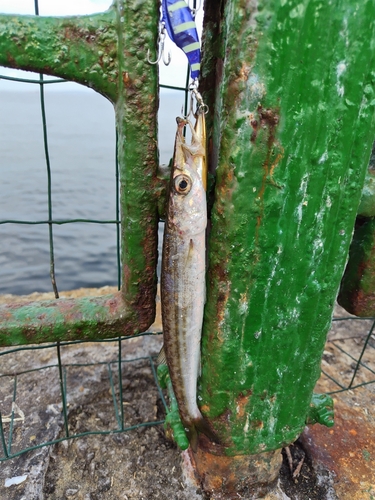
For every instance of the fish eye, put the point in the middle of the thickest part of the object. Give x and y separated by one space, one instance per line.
182 184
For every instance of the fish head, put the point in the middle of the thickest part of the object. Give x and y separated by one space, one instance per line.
187 205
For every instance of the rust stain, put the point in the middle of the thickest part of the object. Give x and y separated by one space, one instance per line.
362 303
254 123
242 402
225 189
274 165
126 274
268 120
232 477
221 303
126 79
74 32
115 304
347 450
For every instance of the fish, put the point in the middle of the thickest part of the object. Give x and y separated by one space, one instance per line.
183 280
182 30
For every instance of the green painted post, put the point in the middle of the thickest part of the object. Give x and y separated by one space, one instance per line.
357 291
106 52
294 124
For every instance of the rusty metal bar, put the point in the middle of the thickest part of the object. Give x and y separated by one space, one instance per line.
86 318
106 52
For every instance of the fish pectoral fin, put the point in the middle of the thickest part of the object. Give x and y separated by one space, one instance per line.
161 359
190 251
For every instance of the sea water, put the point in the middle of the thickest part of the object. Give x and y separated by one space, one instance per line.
81 148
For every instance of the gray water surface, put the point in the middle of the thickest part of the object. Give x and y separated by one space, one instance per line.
81 138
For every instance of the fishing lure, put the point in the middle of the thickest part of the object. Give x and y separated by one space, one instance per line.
182 30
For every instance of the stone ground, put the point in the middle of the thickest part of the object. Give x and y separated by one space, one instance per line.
339 463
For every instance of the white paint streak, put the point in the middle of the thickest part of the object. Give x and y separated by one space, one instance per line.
298 11
272 423
323 158
299 210
247 424
244 305
295 313
340 70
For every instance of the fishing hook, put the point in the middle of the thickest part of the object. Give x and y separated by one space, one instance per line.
160 43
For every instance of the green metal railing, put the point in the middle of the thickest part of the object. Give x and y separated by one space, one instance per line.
107 314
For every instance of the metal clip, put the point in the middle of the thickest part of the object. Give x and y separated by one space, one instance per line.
202 107
195 9
161 42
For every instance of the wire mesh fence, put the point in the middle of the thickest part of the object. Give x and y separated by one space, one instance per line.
348 361
349 357
18 438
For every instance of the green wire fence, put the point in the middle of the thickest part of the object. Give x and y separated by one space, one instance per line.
116 390
357 350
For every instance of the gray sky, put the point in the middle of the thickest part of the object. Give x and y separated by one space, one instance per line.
174 74
54 7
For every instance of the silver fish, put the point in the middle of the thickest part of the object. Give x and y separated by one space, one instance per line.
183 279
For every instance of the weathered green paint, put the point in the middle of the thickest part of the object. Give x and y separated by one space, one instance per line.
86 318
83 49
295 103
321 410
357 292
107 52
